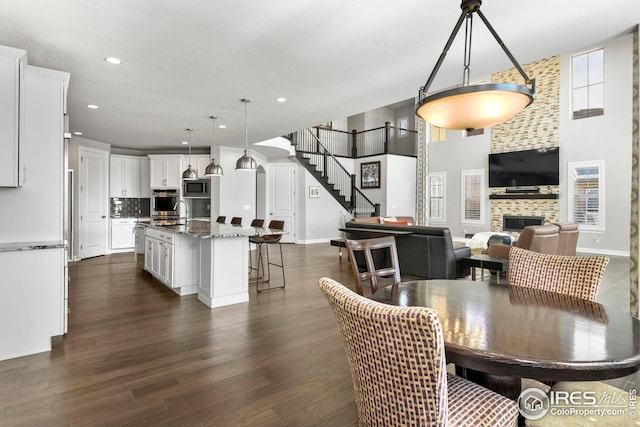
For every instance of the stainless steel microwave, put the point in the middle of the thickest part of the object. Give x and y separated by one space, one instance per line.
196 188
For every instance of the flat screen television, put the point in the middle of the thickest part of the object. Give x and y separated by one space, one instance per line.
525 168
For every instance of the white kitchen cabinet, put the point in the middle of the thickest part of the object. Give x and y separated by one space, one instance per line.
148 254
165 171
124 176
145 178
123 233
12 64
173 259
199 163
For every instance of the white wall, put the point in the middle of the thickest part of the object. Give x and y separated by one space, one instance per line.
237 189
607 138
400 179
319 218
452 156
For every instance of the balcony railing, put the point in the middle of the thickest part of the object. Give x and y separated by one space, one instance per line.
386 139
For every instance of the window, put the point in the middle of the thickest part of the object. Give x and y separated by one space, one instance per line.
403 125
437 181
473 196
438 134
586 194
587 84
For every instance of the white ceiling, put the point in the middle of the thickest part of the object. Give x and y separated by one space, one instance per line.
186 60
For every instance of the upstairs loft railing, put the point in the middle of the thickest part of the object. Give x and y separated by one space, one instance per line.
334 175
386 139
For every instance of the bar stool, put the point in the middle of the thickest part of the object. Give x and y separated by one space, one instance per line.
266 240
221 219
256 223
236 220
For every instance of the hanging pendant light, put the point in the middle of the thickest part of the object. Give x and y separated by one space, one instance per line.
213 169
189 174
246 162
473 106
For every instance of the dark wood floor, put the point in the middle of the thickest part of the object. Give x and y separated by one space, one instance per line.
138 355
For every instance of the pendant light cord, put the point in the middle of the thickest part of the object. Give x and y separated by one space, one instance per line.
246 128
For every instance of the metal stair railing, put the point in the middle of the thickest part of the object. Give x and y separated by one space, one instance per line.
332 174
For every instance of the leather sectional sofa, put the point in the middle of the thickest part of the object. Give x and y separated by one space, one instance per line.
427 252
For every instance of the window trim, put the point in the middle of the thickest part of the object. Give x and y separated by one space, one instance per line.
480 173
571 167
443 177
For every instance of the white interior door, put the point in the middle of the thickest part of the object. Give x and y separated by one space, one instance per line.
282 198
94 223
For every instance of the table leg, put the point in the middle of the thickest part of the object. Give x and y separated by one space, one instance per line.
505 385
473 273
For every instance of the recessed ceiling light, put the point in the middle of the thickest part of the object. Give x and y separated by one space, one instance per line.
77 133
92 106
281 99
185 143
222 126
113 60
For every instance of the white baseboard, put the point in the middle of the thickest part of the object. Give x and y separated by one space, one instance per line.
313 241
602 252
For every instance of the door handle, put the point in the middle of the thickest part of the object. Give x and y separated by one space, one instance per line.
104 216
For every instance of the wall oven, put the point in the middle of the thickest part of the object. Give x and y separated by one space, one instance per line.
196 188
164 203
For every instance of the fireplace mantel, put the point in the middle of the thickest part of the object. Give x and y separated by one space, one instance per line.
523 196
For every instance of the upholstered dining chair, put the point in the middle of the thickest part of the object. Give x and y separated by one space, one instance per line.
398 367
267 240
576 276
221 219
380 257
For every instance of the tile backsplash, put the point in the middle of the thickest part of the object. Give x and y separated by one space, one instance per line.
200 208
130 208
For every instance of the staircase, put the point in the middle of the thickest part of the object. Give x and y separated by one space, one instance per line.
330 173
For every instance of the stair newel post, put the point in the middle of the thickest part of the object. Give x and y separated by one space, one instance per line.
354 144
376 209
353 191
387 133
317 140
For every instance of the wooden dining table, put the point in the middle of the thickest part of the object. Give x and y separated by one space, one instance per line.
498 334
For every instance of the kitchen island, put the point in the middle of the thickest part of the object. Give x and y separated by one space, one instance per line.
202 257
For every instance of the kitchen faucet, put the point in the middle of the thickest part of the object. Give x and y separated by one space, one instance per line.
186 209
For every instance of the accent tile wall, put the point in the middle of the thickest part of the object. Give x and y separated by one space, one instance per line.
537 126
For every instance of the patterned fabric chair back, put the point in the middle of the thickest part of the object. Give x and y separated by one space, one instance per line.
396 356
381 260
575 276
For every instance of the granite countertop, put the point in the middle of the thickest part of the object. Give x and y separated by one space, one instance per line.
32 246
207 229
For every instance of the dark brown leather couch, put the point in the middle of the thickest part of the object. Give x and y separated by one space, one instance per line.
427 252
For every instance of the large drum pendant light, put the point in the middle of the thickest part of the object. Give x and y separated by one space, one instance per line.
473 106
213 169
246 162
